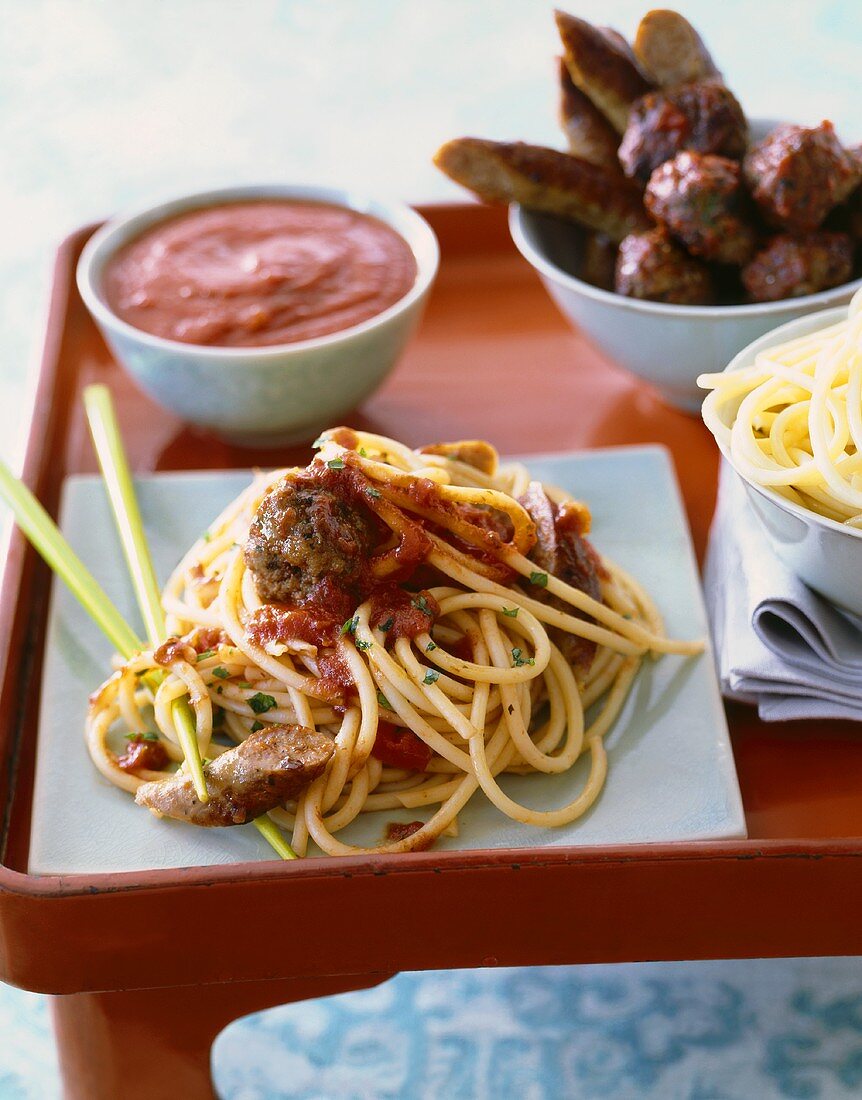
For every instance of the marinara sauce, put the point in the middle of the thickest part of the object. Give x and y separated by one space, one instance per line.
247 274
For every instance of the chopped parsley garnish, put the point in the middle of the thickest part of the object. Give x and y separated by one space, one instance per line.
336 463
431 676
431 646
219 690
539 579
221 672
148 736
243 684
390 622
375 493
362 452
362 645
511 612
255 726
206 653
383 701
261 703
518 659
318 443
422 604
350 626
206 536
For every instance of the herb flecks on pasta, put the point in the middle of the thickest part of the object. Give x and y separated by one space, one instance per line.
418 624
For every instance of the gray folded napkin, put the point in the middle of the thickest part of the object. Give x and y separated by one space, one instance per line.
777 643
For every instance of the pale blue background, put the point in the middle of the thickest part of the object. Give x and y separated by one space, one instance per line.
105 104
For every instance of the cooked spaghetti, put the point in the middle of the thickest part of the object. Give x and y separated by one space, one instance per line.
433 619
792 422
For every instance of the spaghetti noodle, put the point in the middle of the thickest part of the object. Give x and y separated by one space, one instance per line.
792 422
481 628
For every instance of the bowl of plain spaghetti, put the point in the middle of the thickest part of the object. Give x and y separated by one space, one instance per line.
787 415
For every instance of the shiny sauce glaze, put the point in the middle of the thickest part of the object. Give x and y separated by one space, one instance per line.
250 274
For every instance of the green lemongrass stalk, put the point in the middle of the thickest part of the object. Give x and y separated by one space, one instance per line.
48 541
127 515
121 493
46 538
271 833
124 504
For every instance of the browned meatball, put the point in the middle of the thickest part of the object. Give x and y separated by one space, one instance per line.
847 217
699 199
791 266
798 173
651 265
703 116
310 540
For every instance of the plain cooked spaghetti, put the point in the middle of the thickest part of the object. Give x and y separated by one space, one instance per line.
484 690
792 422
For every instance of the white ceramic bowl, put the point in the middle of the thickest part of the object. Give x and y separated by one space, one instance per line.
273 394
825 554
667 345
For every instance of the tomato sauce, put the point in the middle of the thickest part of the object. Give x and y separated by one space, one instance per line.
142 754
249 274
400 748
402 614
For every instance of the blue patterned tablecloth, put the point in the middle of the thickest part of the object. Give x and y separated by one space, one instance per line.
762 1030
105 105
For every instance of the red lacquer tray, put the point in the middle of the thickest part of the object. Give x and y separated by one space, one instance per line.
493 359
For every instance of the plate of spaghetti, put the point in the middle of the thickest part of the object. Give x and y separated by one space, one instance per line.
387 651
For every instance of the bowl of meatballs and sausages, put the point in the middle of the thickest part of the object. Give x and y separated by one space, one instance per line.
674 230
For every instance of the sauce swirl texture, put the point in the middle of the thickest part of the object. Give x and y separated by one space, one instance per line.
249 274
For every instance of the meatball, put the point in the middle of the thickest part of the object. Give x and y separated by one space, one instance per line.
309 540
698 198
847 217
797 174
651 265
704 117
791 266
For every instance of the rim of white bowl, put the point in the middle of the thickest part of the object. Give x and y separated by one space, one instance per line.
123 228
820 319
823 298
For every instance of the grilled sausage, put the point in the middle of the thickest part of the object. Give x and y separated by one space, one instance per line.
604 70
545 179
670 51
272 766
599 261
563 550
589 134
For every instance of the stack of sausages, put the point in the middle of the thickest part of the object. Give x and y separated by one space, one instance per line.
680 206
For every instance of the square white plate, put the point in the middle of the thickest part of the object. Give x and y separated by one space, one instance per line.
671 773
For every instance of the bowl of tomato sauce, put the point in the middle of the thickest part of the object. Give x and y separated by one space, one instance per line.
260 313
